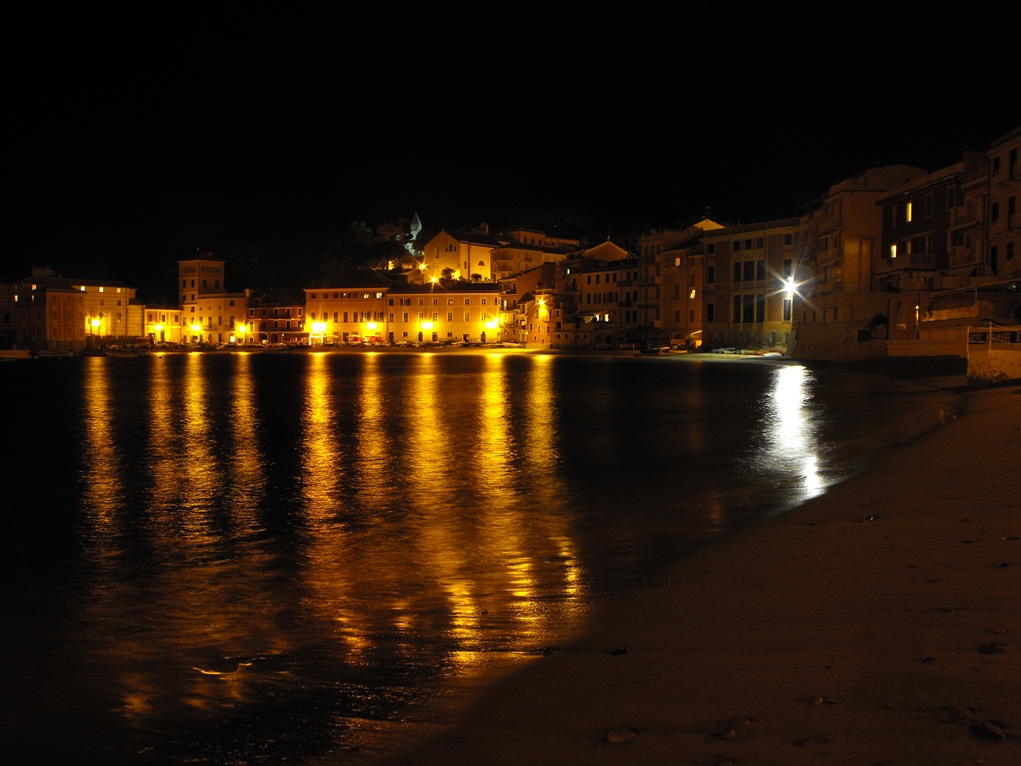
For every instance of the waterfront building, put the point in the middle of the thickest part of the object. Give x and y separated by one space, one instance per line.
835 243
679 255
451 312
353 307
749 285
54 313
521 318
163 325
1004 225
594 299
368 307
210 315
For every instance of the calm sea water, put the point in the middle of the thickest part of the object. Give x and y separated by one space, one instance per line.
230 559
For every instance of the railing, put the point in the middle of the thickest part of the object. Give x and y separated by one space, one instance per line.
998 337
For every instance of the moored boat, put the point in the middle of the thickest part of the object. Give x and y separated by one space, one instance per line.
45 353
15 353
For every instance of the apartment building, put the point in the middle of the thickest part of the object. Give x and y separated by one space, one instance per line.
594 300
526 301
352 309
372 307
750 285
836 242
914 259
1004 224
272 320
679 253
55 313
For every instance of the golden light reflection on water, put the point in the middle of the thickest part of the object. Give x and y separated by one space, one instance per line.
185 606
425 506
330 576
166 443
542 462
372 464
321 459
434 524
246 474
199 462
101 465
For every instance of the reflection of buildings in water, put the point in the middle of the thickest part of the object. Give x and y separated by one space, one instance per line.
373 468
246 474
101 471
335 563
541 466
199 461
167 469
321 461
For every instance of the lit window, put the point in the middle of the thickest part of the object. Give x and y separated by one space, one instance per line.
907 213
893 252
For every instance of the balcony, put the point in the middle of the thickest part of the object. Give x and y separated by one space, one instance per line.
961 255
962 216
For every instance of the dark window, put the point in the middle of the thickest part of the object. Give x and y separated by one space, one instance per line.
749 308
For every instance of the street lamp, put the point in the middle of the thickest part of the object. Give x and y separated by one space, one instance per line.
241 329
196 332
318 331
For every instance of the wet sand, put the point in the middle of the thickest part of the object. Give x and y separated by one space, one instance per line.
877 624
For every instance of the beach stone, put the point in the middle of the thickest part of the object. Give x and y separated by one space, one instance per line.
619 735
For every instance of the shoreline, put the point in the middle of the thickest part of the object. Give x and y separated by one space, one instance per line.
875 624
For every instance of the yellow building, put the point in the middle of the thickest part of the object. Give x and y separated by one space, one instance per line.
209 314
60 313
749 287
370 307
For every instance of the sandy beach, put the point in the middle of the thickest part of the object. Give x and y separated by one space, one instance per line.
878 624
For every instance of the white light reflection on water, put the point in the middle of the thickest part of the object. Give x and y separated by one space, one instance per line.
790 448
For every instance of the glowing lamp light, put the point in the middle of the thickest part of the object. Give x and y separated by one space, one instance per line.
427 326
95 324
319 327
789 287
371 326
491 324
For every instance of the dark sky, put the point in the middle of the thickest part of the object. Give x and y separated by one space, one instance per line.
140 141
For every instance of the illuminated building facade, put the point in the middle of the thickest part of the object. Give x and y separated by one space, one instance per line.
749 285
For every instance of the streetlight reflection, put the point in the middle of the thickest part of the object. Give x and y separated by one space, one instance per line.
790 447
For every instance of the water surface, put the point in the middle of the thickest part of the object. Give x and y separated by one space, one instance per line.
231 558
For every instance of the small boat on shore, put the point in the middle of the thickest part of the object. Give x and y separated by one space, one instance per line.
46 353
15 353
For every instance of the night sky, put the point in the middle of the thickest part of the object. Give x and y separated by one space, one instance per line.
140 141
